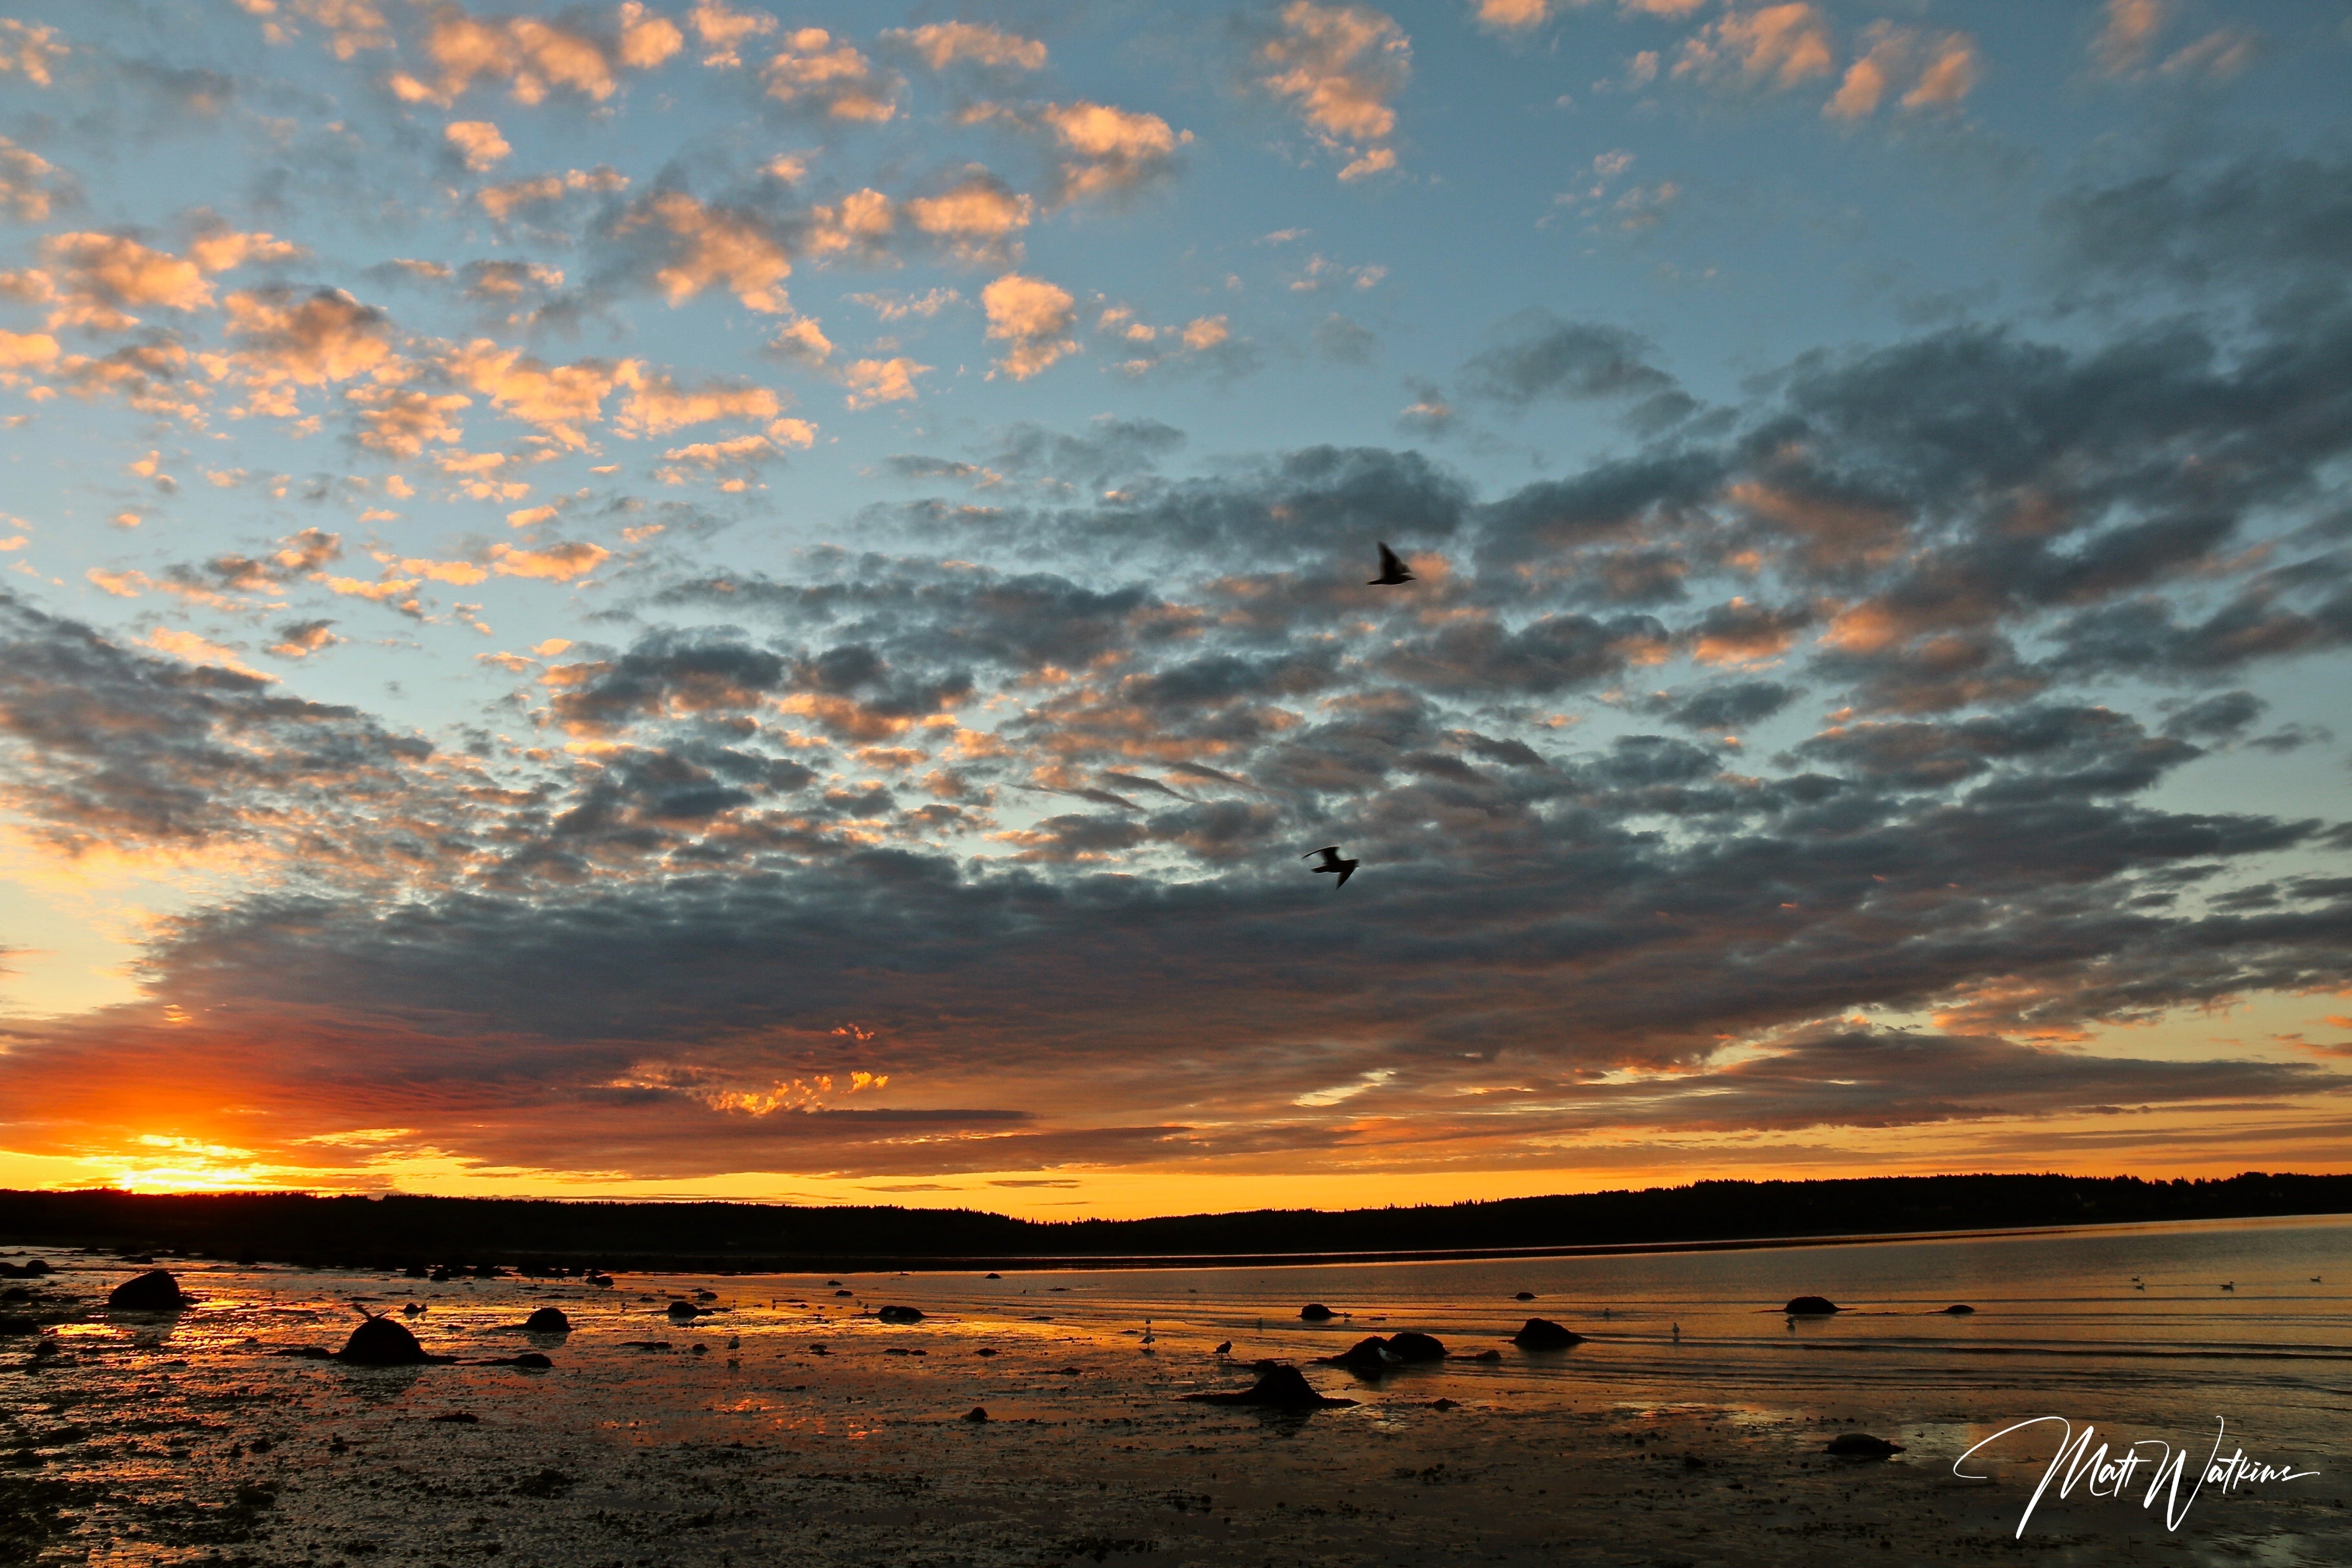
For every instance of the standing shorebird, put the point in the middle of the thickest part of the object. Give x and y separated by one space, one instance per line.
1331 862
1393 570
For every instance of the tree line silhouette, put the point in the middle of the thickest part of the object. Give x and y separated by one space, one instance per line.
399 1231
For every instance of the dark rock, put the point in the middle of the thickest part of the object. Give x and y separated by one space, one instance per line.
439 1276
900 1315
533 1360
844 1292
976 1413
414 1309
991 1276
1282 1387
1414 1346
1316 1313
680 1309
548 1320
1861 1445
1543 1335
706 1295
1368 1355
11 1325
380 1342
153 1291
985 1349
1811 1307
602 1281
461 1417
16 1293
1224 1349
1481 1356
1445 1405
1957 1311
1525 1296
307 1352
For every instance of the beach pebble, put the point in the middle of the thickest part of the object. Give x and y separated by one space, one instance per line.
1543 1335
1284 1387
153 1291
380 1342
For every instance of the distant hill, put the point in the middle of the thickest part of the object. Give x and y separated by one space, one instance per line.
399 1231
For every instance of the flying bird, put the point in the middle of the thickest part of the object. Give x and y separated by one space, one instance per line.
1331 862
1393 570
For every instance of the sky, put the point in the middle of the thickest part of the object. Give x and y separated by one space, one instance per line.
671 599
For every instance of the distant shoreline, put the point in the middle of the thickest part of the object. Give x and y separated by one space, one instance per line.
399 1232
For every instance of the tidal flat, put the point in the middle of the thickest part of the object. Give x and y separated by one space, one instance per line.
783 1421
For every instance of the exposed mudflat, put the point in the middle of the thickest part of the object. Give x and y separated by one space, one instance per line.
654 1439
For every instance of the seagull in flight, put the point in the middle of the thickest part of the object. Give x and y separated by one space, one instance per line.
1331 862
1393 570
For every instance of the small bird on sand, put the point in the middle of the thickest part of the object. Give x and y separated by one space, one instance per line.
1331 862
1393 570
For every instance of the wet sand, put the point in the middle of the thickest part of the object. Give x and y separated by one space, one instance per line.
187 1440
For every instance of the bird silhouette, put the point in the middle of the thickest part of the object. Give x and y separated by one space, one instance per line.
1331 862
1393 570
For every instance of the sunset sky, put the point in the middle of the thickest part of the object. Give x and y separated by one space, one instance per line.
673 599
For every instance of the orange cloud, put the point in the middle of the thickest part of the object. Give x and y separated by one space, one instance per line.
813 71
501 202
941 44
1032 317
28 49
479 142
723 31
30 183
873 380
976 216
1341 66
555 564
713 246
657 405
1941 70
531 56
1778 46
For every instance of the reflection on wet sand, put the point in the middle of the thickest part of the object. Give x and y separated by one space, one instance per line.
770 1420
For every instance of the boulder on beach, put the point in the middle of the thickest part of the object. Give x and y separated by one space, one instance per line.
1413 1345
1281 1388
991 1276
153 1291
1861 1445
680 1309
1316 1313
899 1315
1525 1296
1957 1310
380 1342
1543 1335
977 1413
1811 1307
1366 1355
548 1320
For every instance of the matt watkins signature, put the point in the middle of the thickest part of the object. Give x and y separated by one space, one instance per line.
2107 1471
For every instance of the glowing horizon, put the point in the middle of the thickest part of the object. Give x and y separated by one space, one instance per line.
669 599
